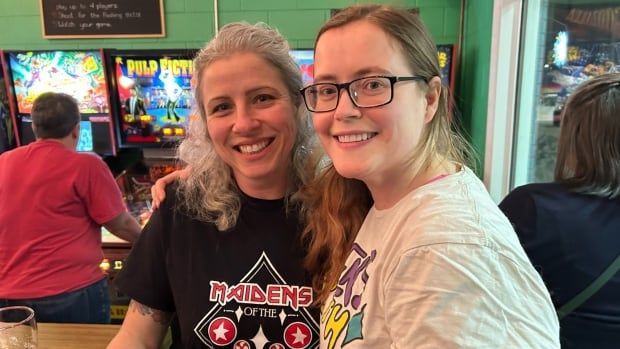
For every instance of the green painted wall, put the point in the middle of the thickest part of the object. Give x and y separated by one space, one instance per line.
472 90
189 23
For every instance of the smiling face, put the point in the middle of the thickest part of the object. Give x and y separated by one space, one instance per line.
375 145
251 121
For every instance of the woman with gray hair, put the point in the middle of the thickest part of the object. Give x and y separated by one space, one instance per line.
569 228
223 252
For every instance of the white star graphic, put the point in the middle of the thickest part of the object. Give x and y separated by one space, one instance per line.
299 336
220 332
259 338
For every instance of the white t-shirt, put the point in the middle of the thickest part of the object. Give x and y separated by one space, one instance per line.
443 268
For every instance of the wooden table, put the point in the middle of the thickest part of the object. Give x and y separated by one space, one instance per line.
75 336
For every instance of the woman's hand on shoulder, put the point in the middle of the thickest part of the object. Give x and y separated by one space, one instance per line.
158 190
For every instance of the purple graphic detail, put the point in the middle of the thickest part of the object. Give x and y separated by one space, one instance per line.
356 271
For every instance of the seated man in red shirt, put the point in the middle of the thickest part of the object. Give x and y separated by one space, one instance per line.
53 202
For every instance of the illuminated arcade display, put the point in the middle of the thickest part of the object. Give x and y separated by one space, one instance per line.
154 96
81 74
7 140
305 60
445 55
85 139
77 73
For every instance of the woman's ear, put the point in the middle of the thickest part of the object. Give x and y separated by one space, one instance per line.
432 98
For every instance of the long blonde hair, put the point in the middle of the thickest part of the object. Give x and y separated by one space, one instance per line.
335 207
210 192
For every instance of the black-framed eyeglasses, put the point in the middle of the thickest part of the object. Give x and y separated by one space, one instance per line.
366 92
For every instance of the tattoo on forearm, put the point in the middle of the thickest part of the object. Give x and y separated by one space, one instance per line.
158 316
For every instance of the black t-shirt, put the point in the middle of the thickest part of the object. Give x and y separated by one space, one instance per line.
243 288
570 239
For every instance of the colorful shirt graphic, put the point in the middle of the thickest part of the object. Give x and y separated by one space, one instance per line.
244 288
343 317
276 306
432 272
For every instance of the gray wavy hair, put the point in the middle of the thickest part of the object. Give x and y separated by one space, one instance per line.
210 192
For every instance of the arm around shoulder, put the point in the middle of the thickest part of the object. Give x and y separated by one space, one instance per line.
124 226
158 190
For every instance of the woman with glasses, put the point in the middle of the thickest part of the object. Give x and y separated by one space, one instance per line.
435 264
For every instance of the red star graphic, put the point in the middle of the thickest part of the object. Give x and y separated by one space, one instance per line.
297 335
222 331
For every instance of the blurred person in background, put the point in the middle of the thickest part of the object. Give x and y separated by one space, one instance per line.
53 202
570 228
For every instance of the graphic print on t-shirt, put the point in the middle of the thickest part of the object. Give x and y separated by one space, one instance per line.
261 311
344 315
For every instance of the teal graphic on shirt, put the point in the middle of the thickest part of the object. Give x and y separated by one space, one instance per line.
345 311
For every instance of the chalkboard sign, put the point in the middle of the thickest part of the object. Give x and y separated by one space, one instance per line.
71 19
